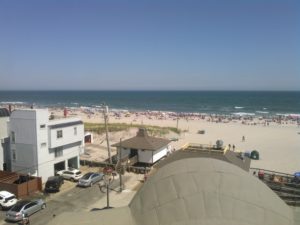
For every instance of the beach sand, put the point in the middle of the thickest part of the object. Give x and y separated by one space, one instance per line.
278 144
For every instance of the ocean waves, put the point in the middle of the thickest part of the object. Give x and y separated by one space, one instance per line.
209 102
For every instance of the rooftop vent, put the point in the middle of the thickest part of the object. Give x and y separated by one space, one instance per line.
142 132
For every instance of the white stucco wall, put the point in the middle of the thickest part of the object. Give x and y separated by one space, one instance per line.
46 168
34 146
4 127
68 133
145 156
158 154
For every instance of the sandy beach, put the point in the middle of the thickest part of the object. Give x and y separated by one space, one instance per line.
278 144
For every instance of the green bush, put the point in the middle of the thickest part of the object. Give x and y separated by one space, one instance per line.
115 127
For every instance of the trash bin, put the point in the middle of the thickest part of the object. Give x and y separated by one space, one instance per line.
254 155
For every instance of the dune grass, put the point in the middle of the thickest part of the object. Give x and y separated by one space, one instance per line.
115 127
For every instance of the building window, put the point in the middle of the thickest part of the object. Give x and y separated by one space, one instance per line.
75 130
13 137
58 152
42 126
14 155
59 134
44 144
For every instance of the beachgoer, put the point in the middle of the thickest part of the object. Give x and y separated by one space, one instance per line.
229 146
233 147
243 138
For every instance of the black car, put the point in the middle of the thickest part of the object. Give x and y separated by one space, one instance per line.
54 183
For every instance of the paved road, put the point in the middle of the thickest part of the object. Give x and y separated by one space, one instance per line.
76 199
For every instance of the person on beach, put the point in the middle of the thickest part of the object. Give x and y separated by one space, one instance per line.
243 138
233 147
229 146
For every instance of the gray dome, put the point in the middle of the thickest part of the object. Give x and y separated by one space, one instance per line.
209 192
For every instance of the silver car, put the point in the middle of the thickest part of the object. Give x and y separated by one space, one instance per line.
89 179
24 207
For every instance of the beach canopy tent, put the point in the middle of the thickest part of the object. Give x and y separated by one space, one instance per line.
194 191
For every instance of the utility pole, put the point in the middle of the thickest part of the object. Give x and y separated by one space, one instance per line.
121 166
105 114
107 196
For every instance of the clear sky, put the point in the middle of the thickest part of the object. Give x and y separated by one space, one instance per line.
150 45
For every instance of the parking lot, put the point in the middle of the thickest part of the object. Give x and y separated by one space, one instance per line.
72 199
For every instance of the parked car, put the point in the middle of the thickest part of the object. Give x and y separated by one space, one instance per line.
7 199
54 183
70 174
89 179
24 207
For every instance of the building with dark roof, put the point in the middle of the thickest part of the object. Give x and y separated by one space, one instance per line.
143 148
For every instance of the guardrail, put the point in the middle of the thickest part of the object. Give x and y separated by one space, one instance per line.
283 184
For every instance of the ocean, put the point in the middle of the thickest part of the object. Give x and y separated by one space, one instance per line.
217 102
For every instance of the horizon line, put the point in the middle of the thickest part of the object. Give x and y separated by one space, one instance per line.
154 90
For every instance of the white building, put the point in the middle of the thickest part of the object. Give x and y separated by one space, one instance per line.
40 146
4 140
143 148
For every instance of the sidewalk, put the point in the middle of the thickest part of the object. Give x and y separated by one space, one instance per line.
117 199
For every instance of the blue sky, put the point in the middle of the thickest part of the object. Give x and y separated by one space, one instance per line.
150 45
